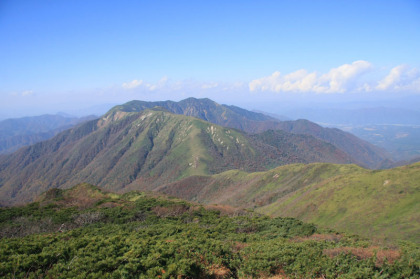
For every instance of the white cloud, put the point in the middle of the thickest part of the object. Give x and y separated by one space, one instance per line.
163 81
132 84
337 80
151 87
166 85
27 93
340 79
401 78
357 77
209 85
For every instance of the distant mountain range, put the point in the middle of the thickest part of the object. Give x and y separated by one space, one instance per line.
18 132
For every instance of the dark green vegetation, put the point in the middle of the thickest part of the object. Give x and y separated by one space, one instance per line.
85 233
382 204
15 133
142 150
364 153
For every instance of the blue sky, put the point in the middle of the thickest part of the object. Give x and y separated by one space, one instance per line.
58 55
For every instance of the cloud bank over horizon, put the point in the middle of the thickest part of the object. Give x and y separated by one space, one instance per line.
346 78
359 81
358 77
186 86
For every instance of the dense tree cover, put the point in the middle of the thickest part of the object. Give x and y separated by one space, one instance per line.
139 236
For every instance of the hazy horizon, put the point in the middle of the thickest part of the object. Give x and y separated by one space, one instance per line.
272 55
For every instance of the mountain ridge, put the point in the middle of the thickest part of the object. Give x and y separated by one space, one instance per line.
365 153
143 150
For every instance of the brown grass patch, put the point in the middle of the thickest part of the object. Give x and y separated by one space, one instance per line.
365 253
219 272
279 274
390 255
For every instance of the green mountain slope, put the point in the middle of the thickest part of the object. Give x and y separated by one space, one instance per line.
383 204
84 232
365 153
143 150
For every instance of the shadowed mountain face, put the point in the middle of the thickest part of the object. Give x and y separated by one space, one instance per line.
364 153
143 150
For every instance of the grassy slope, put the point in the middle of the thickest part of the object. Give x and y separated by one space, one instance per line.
383 204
